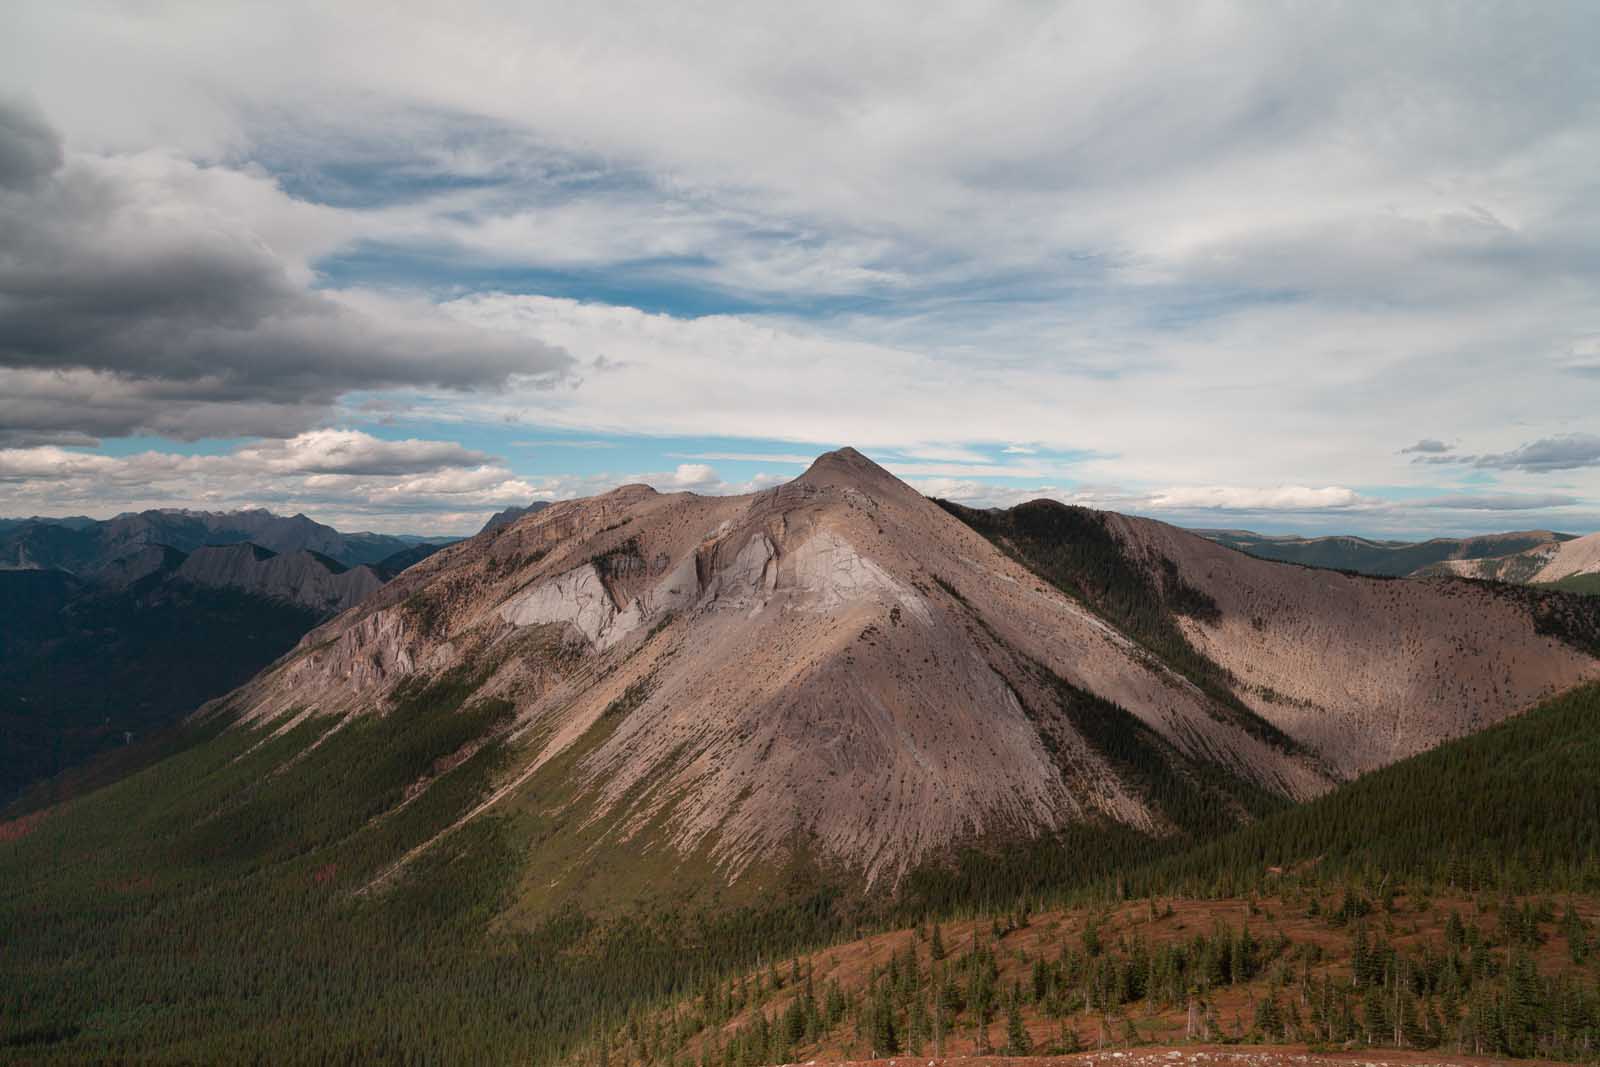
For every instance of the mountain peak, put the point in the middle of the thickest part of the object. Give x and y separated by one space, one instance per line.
846 467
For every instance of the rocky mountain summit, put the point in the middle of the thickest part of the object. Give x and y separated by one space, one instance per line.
841 669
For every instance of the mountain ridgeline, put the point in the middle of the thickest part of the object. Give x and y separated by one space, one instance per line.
85 546
609 750
1392 559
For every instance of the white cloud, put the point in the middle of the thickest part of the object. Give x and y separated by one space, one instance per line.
354 452
1233 498
1223 248
786 458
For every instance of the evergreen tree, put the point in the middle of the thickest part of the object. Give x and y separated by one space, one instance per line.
1269 1017
1375 1015
1017 1040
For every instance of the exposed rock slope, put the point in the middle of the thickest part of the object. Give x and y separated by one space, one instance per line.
840 665
306 578
1364 672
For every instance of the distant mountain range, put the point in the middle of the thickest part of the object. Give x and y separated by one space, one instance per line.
1385 558
82 546
117 627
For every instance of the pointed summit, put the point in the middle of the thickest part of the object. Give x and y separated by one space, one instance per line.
848 468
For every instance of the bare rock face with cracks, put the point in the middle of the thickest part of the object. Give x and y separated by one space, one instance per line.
844 666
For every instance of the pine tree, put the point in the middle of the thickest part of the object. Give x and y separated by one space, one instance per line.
936 946
1375 1015
1269 1017
1017 1040
885 1038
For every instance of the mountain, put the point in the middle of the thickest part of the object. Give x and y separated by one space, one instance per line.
608 753
1390 558
1568 564
89 662
305 577
83 547
511 515
842 669
87 668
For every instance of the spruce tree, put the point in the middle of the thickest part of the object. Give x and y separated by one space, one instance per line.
1017 1040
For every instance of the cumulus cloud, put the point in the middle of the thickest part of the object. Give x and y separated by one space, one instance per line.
1175 500
149 294
354 452
1232 498
358 478
346 477
1428 446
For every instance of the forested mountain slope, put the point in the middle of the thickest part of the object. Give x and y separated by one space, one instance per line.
1383 558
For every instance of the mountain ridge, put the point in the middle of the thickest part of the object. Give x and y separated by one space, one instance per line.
1373 556
840 637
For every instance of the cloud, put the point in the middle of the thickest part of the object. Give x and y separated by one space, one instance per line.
1559 453
1232 245
348 478
1232 498
149 294
1176 500
1498 501
1428 445
361 480
787 458
354 452
29 148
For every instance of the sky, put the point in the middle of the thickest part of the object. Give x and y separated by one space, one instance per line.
1280 266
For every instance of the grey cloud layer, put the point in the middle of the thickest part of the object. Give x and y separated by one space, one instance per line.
1563 452
132 299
